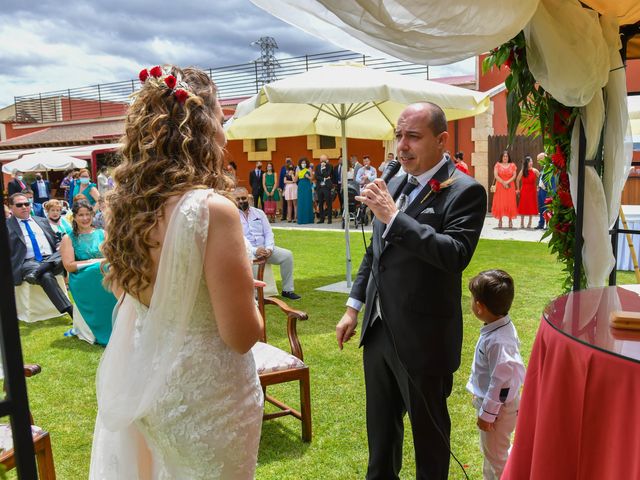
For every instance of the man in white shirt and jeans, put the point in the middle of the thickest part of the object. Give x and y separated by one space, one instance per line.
497 372
257 231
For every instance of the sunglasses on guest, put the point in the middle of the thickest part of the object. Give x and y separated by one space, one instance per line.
21 205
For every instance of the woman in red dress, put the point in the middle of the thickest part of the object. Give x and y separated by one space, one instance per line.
504 198
528 181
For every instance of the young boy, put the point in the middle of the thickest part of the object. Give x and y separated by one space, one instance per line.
497 372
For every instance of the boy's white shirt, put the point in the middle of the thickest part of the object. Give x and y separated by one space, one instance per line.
497 365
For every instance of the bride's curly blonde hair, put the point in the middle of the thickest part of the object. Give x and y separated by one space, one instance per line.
169 147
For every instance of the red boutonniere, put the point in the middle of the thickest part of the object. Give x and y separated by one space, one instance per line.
436 186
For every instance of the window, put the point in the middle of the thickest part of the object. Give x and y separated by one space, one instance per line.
260 145
327 142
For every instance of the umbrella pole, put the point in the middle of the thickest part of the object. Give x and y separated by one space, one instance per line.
345 195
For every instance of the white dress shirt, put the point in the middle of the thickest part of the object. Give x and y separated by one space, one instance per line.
43 243
498 371
423 179
256 229
42 189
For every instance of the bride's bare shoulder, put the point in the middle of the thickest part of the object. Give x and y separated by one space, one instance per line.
222 208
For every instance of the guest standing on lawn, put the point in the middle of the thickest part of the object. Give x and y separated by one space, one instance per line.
504 198
305 198
497 372
270 189
426 228
528 180
291 193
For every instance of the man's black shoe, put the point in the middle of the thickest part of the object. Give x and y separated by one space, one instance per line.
320 221
290 295
31 278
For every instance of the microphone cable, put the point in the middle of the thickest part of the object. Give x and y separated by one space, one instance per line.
446 440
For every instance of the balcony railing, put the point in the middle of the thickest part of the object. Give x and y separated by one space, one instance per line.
233 81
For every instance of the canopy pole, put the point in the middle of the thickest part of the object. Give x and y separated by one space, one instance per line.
345 193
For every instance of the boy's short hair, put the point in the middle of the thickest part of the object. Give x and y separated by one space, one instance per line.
494 289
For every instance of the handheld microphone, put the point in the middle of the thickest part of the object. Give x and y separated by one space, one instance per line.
389 172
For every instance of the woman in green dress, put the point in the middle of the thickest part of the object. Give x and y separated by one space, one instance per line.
305 199
81 257
84 186
270 188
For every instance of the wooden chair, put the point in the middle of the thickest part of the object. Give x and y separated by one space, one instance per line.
41 442
277 366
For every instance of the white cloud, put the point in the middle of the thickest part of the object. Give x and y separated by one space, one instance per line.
52 45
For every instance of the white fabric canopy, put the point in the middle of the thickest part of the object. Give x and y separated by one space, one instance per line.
42 161
432 32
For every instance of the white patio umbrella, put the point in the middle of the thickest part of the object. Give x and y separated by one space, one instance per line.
42 161
346 100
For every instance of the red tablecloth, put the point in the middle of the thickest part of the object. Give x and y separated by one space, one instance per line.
579 416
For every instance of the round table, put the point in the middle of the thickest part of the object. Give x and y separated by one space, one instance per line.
578 417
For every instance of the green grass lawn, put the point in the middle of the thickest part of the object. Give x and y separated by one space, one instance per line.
63 400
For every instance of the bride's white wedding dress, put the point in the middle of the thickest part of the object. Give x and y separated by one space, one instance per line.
174 402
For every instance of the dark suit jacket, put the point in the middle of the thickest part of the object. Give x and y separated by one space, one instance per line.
15 187
36 193
418 268
256 182
327 176
18 246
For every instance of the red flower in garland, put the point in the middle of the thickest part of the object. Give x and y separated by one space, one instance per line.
181 95
548 200
509 61
564 180
170 81
434 184
547 215
156 71
558 158
565 199
561 121
563 227
143 75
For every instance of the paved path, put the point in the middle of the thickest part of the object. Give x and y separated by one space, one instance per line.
490 229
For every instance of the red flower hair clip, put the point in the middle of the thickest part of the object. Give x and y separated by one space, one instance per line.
159 75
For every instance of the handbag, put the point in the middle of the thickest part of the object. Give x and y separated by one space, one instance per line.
492 188
270 207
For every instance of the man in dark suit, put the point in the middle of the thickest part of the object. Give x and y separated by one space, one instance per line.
16 185
255 181
41 190
337 180
34 258
324 185
426 228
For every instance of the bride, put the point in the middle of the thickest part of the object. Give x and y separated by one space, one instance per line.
178 394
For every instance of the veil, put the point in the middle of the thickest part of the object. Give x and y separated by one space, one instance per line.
146 342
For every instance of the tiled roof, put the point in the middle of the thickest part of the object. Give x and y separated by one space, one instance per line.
76 134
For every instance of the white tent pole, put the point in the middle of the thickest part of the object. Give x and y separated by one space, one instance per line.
345 193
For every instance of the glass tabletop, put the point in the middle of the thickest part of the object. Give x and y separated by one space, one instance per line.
584 316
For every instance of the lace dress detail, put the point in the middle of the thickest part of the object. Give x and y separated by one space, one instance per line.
205 418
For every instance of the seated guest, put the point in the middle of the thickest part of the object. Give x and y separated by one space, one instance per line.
257 231
33 246
41 190
98 218
81 256
85 187
59 225
36 209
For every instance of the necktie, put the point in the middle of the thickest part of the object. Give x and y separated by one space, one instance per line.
403 199
34 243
